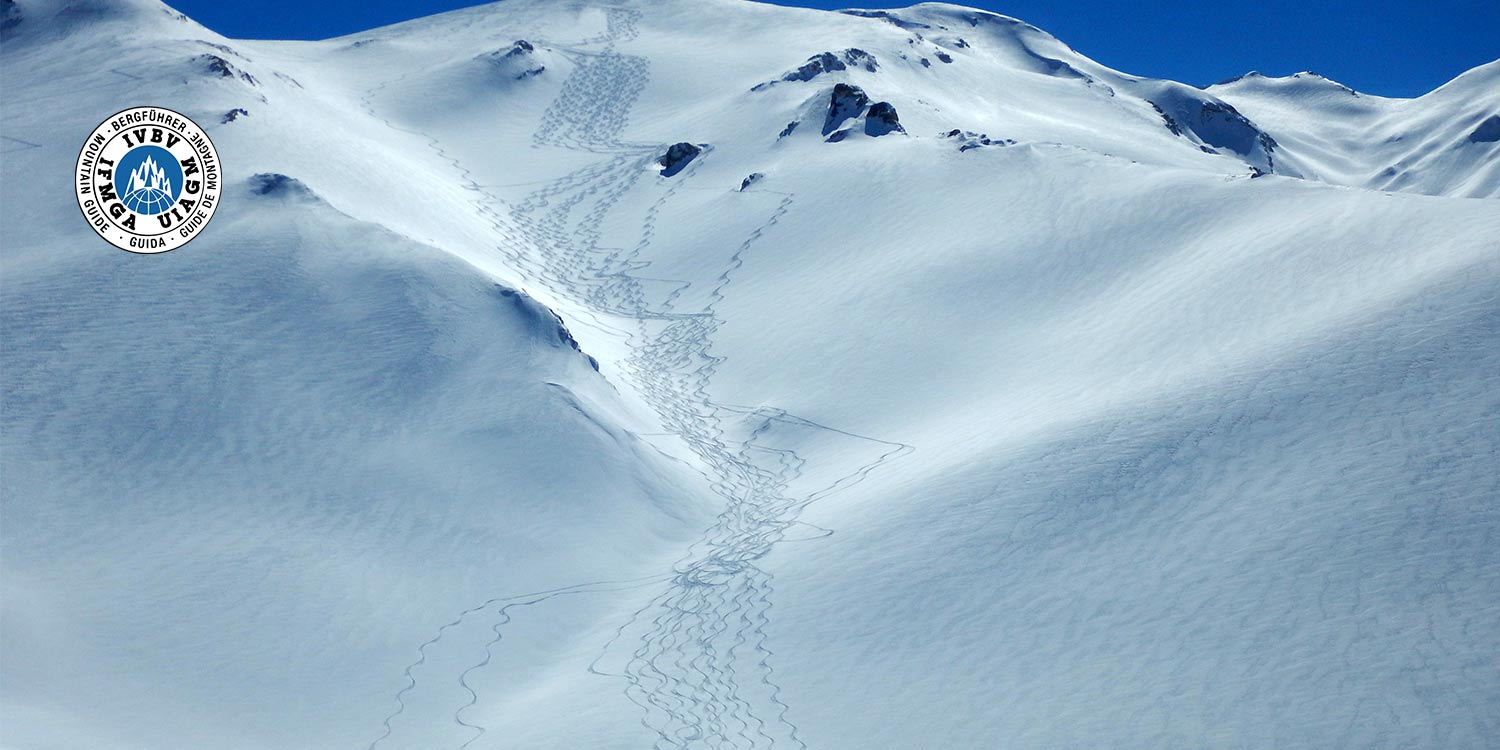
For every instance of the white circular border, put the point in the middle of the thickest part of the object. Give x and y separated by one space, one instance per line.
87 194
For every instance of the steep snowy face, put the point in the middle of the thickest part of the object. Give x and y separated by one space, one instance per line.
707 374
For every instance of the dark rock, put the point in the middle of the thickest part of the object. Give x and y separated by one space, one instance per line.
233 114
1217 127
786 131
522 49
219 65
224 69
566 337
858 58
1167 119
882 120
826 62
1487 132
845 102
677 157
969 140
944 56
516 61
837 136
1220 115
226 49
752 179
926 64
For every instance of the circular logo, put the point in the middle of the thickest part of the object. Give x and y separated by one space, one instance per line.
148 180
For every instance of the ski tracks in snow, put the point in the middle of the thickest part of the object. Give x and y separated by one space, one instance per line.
696 657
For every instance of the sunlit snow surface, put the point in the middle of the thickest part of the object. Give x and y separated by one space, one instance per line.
1080 437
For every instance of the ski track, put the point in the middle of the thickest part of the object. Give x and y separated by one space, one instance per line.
409 673
701 669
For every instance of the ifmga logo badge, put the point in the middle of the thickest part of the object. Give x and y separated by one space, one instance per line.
148 180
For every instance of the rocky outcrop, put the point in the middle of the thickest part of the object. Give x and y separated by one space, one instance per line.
844 103
1216 126
882 119
677 157
233 114
224 69
751 180
826 62
518 61
1168 120
541 317
969 140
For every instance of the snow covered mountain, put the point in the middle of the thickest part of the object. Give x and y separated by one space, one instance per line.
708 374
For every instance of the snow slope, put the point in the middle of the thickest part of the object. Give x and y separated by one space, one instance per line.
1079 409
1440 144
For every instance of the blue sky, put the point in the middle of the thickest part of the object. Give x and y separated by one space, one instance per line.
1392 49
